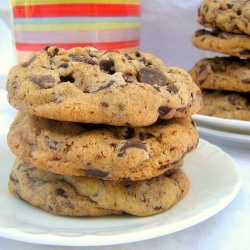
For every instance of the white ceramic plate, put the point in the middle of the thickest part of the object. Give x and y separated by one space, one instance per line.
225 138
214 184
229 125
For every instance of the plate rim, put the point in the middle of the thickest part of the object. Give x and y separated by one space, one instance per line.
148 233
222 122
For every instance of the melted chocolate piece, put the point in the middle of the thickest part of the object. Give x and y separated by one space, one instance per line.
172 89
30 61
96 172
152 75
200 33
44 81
110 83
61 192
164 110
64 65
108 66
68 78
87 60
133 143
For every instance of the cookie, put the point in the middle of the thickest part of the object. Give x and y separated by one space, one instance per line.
228 105
84 196
222 42
222 73
86 85
228 15
102 151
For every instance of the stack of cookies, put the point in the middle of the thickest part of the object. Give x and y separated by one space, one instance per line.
225 80
100 133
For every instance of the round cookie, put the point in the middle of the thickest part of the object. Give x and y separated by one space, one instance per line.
227 105
84 196
222 42
86 85
102 151
228 15
222 73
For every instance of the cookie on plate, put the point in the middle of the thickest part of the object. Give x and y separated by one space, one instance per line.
228 15
222 73
86 85
84 196
102 151
222 42
228 105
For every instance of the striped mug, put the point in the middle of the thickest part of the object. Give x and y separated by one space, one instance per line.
104 24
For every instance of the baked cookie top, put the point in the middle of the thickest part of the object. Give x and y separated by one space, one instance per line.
222 73
83 196
227 15
229 105
222 42
89 86
102 151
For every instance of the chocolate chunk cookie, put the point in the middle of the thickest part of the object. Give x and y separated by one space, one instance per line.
89 86
222 42
84 196
228 105
102 151
227 15
222 73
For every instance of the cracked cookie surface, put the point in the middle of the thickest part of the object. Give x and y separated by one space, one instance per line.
102 151
228 15
222 73
86 85
222 42
84 196
229 105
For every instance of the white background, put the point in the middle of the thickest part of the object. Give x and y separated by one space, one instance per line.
166 31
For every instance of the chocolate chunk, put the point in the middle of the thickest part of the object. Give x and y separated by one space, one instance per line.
200 33
245 52
128 133
144 136
96 172
133 143
164 110
30 61
128 56
110 83
87 60
108 66
68 78
53 144
13 179
234 99
172 89
230 5
145 61
125 133
152 75
157 207
247 80
52 52
137 54
61 192
64 65
44 81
